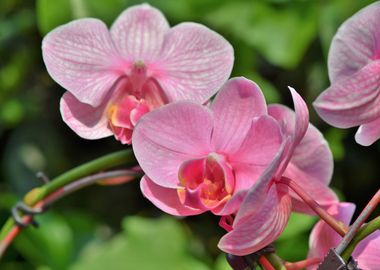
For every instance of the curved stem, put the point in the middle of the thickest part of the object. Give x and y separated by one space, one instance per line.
99 164
338 226
362 233
265 263
276 261
62 192
372 204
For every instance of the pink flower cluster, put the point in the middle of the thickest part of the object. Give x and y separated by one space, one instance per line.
146 84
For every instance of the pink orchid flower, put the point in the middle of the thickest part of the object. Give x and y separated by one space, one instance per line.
199 158
353 99
115 76
323 238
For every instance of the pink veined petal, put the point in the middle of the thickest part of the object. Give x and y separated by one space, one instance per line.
259 230
299 124
139 33
302 117
234 107
257 151
367 252
316 189
164 138
166 199
257 193
352 101
311 164
312 155
82 58
323 237
356 43
232 205
368 133
86 121
194 62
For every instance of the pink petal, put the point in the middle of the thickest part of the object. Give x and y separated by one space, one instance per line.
315 188
165 198
257 151
234 107
352 101
368 133
87 121
232 205
81 57
367 252
302 117
323 237
356 43
311 164
164 138
312 155
194 62
139 33
258 192
294 126
259 230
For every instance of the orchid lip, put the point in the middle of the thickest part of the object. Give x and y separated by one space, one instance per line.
205 183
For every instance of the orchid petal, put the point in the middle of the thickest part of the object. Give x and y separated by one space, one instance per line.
232 205
294 126
257 193
164 138
367 252
139 33
234 107
261 144
368 133
312 155
311 164
302 117
259 230
194 62
81 57
313 187
87 121
168 203
356 43
353 100
323 237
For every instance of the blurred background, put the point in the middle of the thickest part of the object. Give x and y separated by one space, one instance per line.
277 43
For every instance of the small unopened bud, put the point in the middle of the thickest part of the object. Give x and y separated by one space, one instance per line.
238 262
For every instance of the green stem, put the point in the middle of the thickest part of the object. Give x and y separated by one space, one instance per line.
99 164
275 261
364 231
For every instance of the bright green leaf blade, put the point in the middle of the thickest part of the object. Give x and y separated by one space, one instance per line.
51 246
51 14
282 35
145 244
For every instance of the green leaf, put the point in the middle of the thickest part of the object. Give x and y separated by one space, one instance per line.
298 224
334 137
282 34
51 14
145 244
51 246
293 242
221 263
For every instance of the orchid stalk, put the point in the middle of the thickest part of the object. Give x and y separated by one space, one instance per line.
35 196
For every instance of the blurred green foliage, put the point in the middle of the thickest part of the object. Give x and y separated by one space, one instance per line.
277 43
